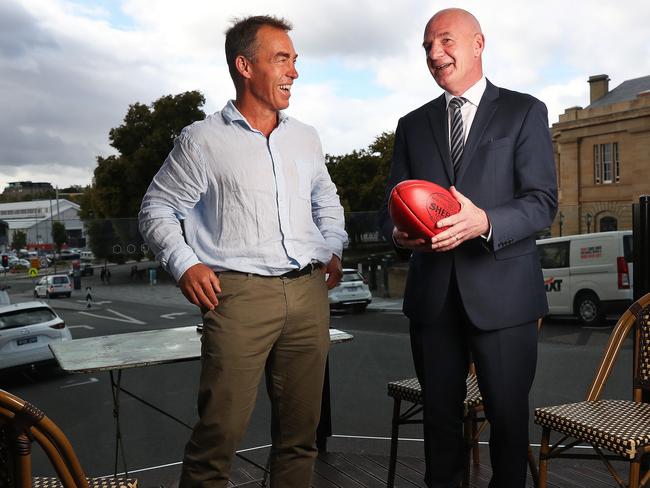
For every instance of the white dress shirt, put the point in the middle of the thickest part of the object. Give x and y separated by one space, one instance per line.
468 109
468 112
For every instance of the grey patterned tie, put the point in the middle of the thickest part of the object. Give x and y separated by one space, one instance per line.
456 135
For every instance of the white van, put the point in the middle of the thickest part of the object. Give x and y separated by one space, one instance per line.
587 275
87 255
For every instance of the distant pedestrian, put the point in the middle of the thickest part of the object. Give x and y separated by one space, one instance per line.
89 297
108 276
102 275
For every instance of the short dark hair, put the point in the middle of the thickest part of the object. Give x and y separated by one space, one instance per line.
240 39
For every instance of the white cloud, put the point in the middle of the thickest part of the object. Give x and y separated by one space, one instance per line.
69 70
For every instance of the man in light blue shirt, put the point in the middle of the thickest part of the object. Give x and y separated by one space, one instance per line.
262 224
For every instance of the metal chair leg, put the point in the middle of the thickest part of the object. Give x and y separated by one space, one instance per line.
635 473
543 457
392 461
532 465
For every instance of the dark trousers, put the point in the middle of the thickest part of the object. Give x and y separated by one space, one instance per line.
505 363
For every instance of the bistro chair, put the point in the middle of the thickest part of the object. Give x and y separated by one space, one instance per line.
409 390
620 427
20 425
474 422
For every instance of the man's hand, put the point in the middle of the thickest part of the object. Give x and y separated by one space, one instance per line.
467 224
402 240
200 286
335 271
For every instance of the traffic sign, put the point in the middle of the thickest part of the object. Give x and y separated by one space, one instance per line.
33 272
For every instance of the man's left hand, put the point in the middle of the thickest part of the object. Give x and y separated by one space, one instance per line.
335 271
467 224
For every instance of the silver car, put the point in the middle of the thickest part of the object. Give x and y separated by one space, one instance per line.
52 286
352 292
26 330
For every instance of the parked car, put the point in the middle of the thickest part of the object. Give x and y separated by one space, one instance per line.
26 330
20 263
85 269
87 255
588 275
352 292
52 286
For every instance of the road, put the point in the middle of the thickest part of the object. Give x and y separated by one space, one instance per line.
81 404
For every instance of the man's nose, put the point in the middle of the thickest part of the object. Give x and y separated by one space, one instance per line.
435 52
293 72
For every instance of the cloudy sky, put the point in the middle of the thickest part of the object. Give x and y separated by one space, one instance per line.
70 68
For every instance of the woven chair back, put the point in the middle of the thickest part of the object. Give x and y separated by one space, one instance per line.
642 355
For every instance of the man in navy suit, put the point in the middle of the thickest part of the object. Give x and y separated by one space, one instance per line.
477 287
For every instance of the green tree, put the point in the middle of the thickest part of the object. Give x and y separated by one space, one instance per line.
360 178
361 175
143 141
19 240
59 235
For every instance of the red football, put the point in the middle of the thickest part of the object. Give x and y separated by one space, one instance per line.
416 206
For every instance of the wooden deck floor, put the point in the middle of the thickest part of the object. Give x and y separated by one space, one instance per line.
349 470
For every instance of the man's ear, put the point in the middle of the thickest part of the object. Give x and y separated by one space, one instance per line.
244 66
479 43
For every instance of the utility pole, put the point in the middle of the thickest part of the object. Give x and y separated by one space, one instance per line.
51 237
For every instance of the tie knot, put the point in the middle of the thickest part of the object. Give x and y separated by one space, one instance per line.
457 102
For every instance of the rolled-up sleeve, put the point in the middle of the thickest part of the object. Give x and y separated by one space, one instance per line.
175 189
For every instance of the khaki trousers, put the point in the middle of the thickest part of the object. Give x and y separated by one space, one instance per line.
279 325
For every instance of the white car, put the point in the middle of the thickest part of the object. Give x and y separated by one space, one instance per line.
351 292
52 286
26 330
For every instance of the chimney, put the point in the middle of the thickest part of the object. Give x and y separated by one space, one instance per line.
598 87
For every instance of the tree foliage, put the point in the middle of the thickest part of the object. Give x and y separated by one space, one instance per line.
19 240
143 141
361 175
360 178
59 234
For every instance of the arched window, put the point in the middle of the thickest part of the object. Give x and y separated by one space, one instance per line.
608 223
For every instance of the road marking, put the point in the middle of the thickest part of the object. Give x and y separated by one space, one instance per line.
100 302
89 327
125 318
171 316
80 383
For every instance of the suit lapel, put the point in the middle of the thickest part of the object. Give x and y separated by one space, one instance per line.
437 114
484 113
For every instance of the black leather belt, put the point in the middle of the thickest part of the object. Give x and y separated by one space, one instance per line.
294 273
297 273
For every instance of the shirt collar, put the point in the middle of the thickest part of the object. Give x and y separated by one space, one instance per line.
473 94
230 114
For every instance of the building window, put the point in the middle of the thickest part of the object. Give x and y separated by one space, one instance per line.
607 168
597 163
608 223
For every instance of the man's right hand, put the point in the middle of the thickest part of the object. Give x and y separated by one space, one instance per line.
401 239
200 286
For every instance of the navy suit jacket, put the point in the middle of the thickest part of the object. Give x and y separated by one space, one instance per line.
508 170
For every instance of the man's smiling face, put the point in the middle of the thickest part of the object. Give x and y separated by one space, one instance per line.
273 69
453 44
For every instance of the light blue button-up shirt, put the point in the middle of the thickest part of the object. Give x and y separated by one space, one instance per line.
248 203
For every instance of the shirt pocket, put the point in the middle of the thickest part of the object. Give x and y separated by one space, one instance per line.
304 172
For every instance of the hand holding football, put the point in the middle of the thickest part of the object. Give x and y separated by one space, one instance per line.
416 206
